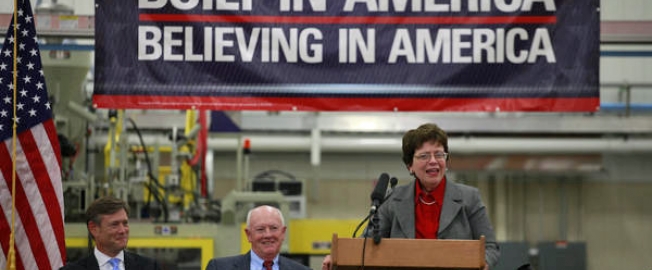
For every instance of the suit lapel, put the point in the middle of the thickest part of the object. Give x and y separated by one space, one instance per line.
281 263
243 262
452 199
405 217
130 261
91 263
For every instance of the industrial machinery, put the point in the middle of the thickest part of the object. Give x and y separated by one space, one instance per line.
163 181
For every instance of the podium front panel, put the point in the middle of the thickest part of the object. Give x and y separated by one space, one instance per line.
395 254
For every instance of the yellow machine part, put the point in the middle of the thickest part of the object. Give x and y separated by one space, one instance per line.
187 177
116 137
187 181
310 236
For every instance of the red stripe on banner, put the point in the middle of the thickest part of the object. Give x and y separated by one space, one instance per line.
348 19
44 180
24 211
581 104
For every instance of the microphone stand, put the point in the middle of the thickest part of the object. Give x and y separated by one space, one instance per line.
376 227
372 223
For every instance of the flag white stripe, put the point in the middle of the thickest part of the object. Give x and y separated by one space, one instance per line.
50 161
24 249
37 205
4 196
22 243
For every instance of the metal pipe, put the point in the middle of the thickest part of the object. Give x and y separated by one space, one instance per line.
315 147
471 145
457 145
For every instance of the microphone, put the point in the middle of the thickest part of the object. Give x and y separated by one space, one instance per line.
375 195
392 183
378 195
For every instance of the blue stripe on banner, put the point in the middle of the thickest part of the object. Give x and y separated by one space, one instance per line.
354 90
621 107
67 47
626 53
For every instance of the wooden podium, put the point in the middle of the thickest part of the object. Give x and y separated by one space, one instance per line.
404 254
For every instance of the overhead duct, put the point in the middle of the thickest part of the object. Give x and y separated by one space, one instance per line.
457 145
377 144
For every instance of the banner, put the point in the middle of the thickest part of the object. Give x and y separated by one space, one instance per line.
348 55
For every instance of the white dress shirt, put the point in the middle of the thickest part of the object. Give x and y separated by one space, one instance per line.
103 260
257 262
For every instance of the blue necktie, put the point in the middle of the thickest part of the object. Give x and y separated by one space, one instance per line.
115 262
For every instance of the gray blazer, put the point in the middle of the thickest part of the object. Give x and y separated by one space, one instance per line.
463 216
243 262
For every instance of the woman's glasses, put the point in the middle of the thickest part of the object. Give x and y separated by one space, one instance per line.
427 156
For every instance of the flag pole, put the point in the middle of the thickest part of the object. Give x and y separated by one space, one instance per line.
11 255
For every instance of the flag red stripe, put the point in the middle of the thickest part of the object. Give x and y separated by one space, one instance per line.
4 241
54 142
44 183
30 224
55 203
4 221
24 211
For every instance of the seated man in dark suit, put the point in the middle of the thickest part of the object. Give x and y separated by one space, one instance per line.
265 231
107 221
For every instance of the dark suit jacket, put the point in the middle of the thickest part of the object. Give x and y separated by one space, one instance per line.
133 261
463 216
243 262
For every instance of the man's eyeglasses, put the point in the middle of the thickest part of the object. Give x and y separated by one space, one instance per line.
426 156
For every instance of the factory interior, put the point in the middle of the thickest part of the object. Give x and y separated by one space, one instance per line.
564 190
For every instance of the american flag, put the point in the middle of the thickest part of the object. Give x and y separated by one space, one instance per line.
39 235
